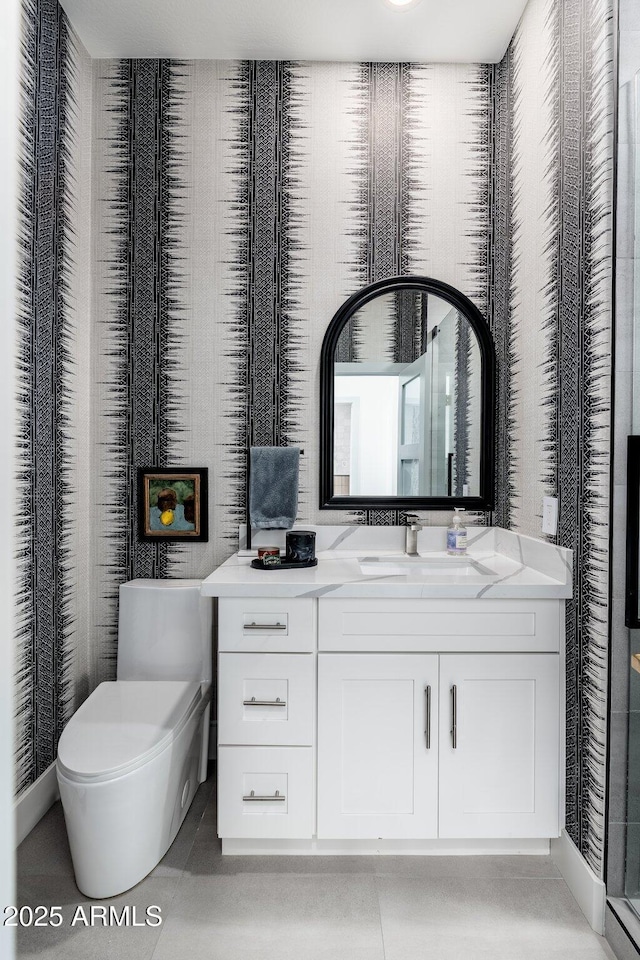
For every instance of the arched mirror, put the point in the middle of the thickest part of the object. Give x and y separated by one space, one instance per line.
407 400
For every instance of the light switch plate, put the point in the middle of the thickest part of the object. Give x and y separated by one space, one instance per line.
550 515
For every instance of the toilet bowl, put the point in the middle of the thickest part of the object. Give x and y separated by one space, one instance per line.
128 768
131 757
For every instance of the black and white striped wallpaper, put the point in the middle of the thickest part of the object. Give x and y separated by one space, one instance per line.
235 206
143 301
51 512
295 184
552 323
268 106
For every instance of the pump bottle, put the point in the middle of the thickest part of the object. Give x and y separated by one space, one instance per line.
457 535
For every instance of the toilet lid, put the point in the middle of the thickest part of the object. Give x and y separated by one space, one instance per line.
123 724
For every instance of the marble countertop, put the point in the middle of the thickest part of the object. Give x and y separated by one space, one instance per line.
516 567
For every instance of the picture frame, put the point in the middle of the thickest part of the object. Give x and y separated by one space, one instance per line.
173 503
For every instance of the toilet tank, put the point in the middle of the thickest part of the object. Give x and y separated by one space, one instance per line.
164 631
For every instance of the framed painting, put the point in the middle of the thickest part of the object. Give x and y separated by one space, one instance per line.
172 503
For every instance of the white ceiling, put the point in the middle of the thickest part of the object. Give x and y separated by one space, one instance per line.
428 31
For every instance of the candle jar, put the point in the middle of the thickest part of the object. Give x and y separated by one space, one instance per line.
270 556
301 546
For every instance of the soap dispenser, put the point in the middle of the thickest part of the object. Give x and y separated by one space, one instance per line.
457 534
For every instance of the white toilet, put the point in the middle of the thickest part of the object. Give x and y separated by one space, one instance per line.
131 758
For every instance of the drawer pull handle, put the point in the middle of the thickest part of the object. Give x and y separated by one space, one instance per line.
264 626
454 716
427 729
276 796
264 703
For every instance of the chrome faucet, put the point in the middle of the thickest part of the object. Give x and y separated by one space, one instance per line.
411 538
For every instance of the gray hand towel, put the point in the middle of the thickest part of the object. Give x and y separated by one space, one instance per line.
273 487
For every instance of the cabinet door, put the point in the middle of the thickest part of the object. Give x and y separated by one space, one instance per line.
499 773
377 746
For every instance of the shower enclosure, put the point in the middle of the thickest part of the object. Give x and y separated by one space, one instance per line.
632 858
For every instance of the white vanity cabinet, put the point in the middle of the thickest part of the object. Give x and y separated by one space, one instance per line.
266 718
415 746
389 719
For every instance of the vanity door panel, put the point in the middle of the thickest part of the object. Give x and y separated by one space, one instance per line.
377 746
499 745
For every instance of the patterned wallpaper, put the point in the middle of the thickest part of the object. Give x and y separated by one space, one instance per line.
234 206
279 190
52 671
553 216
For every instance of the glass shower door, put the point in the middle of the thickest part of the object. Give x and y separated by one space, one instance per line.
632 860
632 863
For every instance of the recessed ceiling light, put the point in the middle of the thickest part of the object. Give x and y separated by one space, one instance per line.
402 4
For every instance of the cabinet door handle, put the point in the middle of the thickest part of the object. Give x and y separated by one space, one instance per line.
427 729
454 716
252 796
264 626
264 703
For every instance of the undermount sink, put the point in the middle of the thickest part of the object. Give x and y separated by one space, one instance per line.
398 566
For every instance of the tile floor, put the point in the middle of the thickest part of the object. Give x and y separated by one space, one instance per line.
308 908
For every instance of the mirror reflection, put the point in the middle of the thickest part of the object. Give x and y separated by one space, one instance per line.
407 390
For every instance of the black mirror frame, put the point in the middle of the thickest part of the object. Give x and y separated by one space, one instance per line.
485 501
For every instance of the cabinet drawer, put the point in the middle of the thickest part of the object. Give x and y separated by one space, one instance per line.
265 625
266 698
440 625
265 792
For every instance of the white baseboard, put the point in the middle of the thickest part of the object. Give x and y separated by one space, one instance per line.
588 889
32 805
407 848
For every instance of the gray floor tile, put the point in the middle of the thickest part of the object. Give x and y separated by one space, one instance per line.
175 859
274 916
207 830
209 817
309 941
46 849
275 897
308 908
98 941
621 928
206 860
496 867
204 798
446 919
